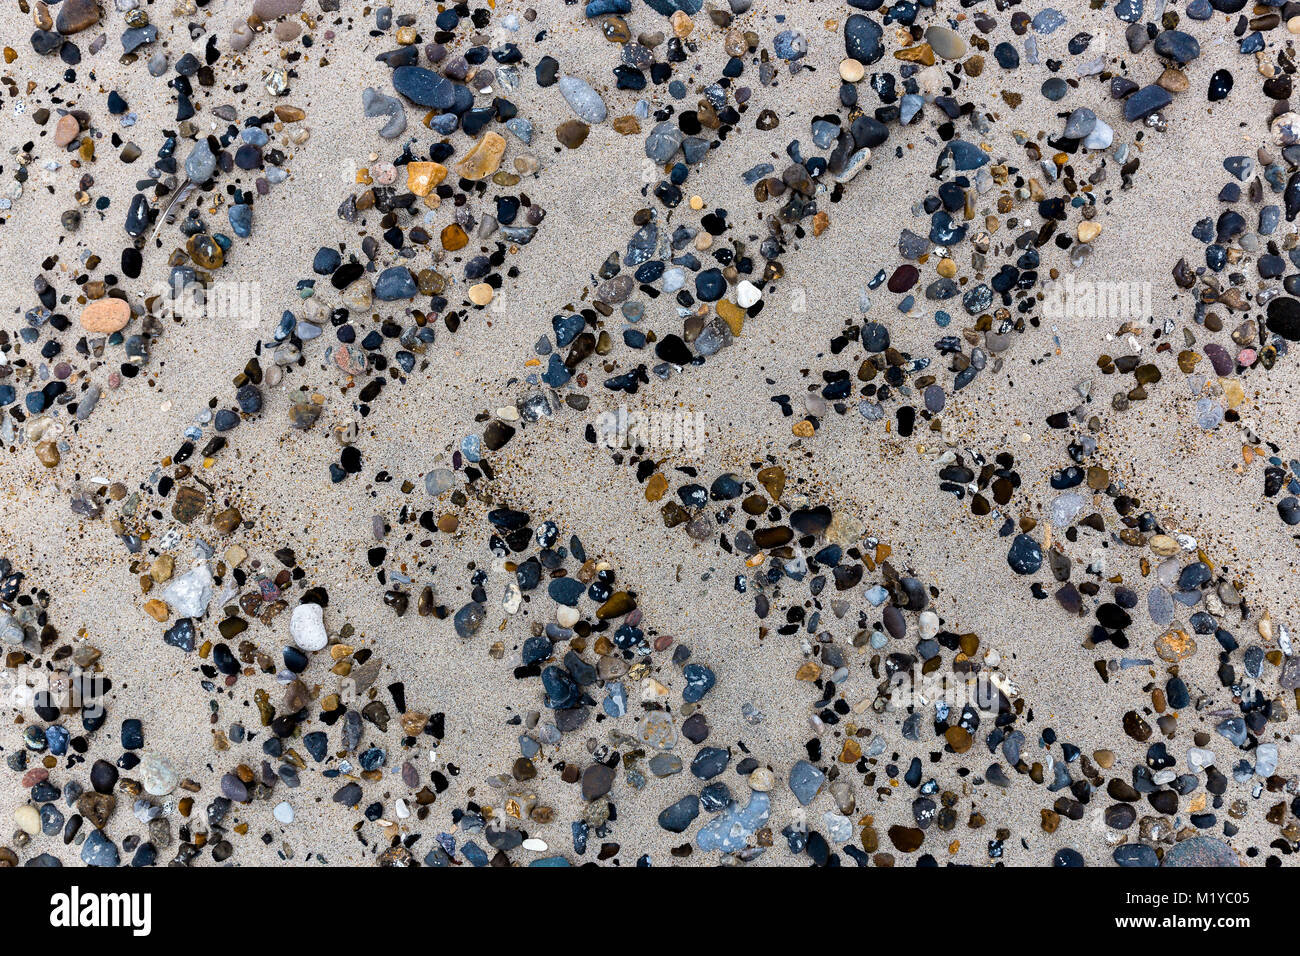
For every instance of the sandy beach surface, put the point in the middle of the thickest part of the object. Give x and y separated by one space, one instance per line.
1095 763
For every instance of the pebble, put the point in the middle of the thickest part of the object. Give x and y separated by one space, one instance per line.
805 781
374 103
483 158
424 87
1145 102
863 39
1025 556
1178 46
106 316
583 100
201 163
945 42
307 627
732 829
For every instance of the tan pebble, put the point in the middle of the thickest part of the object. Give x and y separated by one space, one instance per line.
1173 81
1088 231
66 130
162 567
47 453
1233 393
28 819
1163 545
106 315
1175 645
484 157
480 294
851 71
421 178
808 671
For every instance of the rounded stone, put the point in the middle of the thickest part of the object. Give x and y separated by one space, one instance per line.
158 775
307 627
106 316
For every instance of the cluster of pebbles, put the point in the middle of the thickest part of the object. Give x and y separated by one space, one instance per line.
608 705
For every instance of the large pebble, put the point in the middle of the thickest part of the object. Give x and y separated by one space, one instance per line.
583 100
863 39
424 87
106 316
307 627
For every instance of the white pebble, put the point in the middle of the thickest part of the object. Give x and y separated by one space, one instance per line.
307 627
747 293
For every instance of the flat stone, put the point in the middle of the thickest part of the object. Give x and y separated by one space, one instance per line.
66 130
732 828
484 157
946 42
274 9
374 103
424 87
99 850
805 781
189 594
596 781
1146 101
1200 851
680 815
395 283
582 99
75 16
106 316
863 38
201 163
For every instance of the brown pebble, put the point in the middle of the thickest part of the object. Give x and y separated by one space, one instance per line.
572 133
66 130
